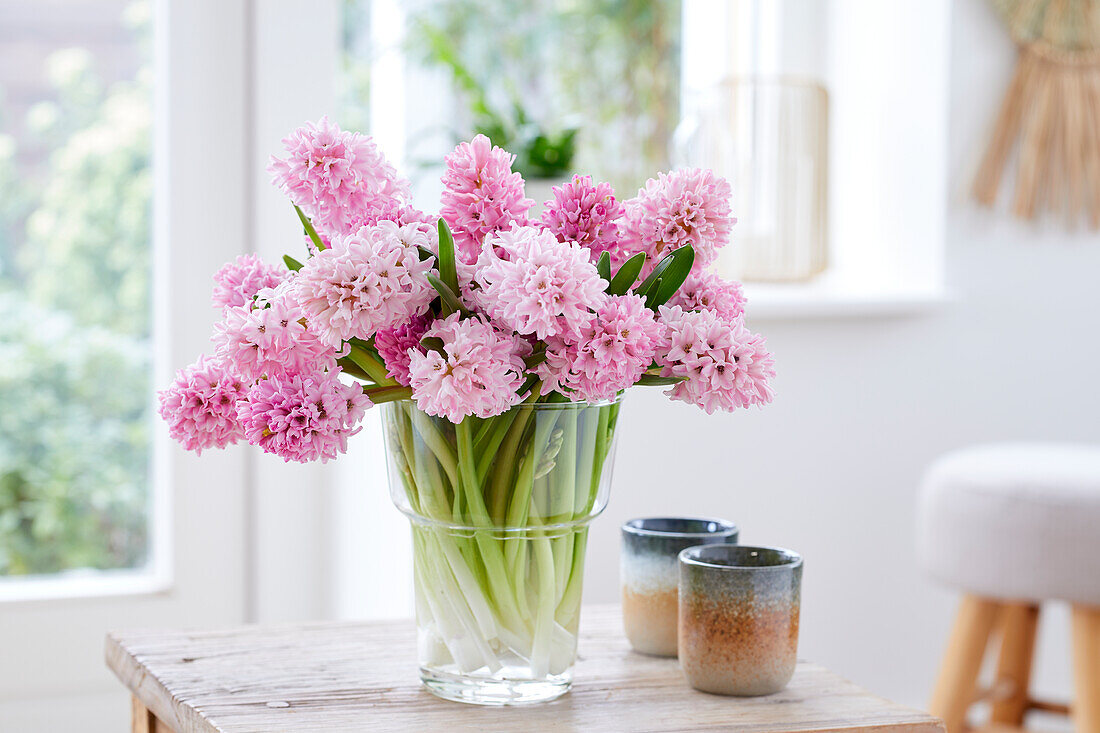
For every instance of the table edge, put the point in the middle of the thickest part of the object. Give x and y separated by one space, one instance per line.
148 688
183 718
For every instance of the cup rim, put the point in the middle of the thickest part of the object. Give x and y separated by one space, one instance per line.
688 556
632 526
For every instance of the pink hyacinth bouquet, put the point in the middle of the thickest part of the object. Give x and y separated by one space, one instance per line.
499 346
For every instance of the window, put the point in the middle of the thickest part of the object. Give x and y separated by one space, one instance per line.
75 275
608 69
626 73
189 528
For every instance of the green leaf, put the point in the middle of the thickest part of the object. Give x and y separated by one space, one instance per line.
433 343
649 293
293 264
603 266
448 271
626 275
424 253
672 278
313 235
651 380
650 282
449 302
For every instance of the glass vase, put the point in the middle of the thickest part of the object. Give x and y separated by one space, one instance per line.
500 510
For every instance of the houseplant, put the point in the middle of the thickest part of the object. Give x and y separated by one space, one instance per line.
499 348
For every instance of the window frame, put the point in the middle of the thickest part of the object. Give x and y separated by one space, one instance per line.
52 632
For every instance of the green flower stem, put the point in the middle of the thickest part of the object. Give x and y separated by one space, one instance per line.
447 506
371 364
436 443
504 475
473 593
586 460
599 453
569 605
439 493
401 434
560 499
544 614
486 448
488 425
449 602
516 555
484 591
350 367
470 484
378 395
521 499
520 505
491 550
560 506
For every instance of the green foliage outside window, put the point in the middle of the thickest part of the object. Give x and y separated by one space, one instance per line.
75 324
566 85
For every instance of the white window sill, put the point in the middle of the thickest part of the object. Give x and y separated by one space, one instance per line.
824 298
82 584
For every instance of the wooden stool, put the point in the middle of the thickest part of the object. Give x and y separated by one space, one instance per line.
1012 526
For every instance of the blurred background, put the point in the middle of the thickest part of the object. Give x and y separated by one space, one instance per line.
905 319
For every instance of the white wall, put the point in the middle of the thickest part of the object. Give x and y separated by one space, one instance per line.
864 405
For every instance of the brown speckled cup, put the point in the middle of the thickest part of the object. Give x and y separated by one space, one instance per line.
650 575
738 620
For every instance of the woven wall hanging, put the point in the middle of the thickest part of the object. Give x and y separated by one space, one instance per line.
1052 109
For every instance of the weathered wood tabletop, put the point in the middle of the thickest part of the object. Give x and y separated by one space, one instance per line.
363 676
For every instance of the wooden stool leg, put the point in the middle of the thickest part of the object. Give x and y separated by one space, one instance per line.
1086 669
962 662
142 720
1018 626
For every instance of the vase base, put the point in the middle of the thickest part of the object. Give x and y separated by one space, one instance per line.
489 691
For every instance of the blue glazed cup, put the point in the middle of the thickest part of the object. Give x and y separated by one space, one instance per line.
739 613
650 575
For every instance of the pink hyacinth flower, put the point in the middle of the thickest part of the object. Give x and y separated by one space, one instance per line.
587 214
708 291
685 207
394 343
238 282
302 417
481 194
536 285
613 351
370 280
200 406
725 366
334 175
271 338
477 373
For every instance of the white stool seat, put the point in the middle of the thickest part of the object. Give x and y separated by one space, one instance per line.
1014 521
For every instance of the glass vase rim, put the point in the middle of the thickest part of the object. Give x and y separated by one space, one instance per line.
534 406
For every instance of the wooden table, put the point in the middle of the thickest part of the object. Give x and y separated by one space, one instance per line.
362 676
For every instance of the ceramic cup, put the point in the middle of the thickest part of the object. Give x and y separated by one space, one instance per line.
650 575
738 630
